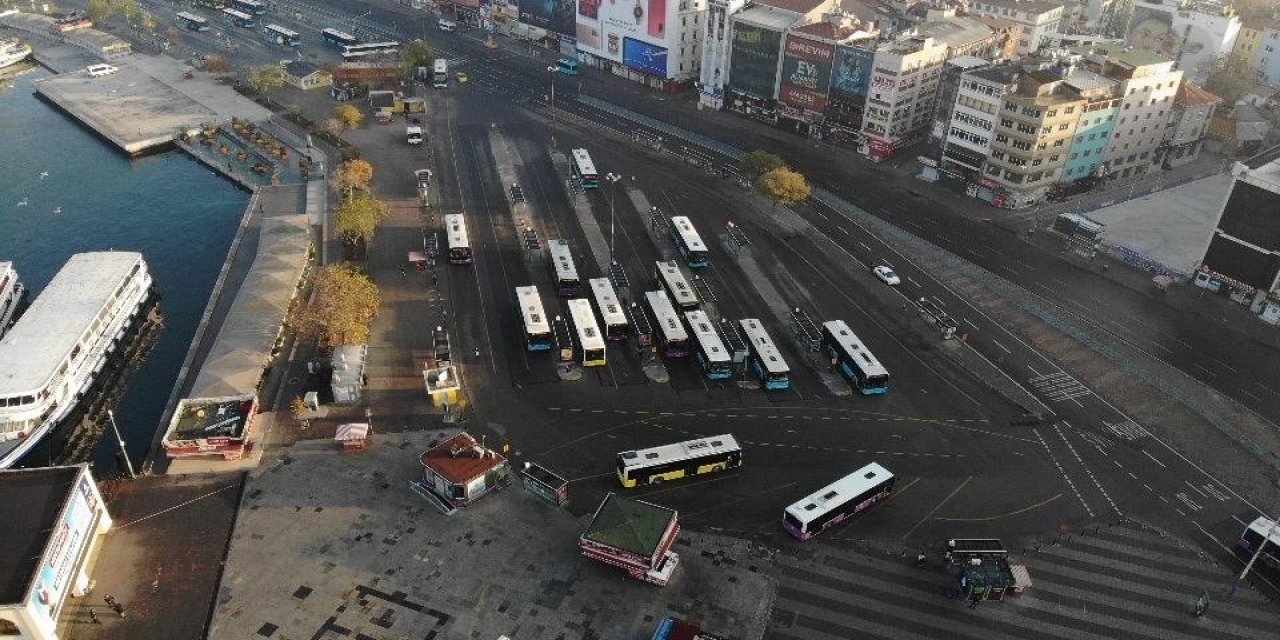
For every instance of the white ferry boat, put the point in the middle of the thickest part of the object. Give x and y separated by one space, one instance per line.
13 51
12 295
53 353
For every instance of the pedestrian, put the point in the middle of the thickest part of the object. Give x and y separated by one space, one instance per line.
402 271
119 609
477 354
433 279
93 617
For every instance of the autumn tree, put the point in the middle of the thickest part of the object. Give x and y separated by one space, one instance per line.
172 34
148 24
416 54
350 115
353 175
758 163
128 9
341 308
333 127
783 186
98 10
214 63
358 216
266 77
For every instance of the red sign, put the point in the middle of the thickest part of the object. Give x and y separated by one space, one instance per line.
806 73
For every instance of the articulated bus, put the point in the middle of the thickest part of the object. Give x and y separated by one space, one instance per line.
764 357
459 247
584 169
674 283
537 331
689 242
712 357
673 340
563 269
239 18
1260 532
252 7
680 460
616 326
834 503
338 39
854 360
192 22
356 51
589 339
281 36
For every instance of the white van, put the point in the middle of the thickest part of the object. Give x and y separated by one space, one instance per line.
446 25
99 70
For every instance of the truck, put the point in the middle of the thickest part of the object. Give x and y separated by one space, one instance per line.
413 134
440 74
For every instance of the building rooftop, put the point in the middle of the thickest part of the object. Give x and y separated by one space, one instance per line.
956 32
30 502
1004 74
630 525
1191 94
968 62
834 32
1123 55
1240 113
1084 80
1029 6
797 6
36 346
203 418
301 68
766 17
461 459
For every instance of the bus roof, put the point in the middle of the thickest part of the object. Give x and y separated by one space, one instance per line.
707 336
183 15
281 30
665 315
372 45
1262 526
677 285
562 259
684 226
583 160
663 454
456 227
535 319
854 348
440 65
341 34
237 14
584 322
762 346
838 492
607 302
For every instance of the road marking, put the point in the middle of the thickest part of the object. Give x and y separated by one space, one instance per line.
913 281
1200 367
865 246
844 230
1003 515
1191 504
935 509
1153 459
1194 488
1002 347
1086 467
1225 365
1024 264
1070 483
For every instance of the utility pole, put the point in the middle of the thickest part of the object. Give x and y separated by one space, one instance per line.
613 179
125 452
551 71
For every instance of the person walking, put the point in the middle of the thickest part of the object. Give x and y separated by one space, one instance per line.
110 600
402 271
93 617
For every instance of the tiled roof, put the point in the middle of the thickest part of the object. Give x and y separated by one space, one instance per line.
1191 94
461 459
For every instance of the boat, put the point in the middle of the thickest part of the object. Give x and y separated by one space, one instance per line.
60 345
13 296
13 51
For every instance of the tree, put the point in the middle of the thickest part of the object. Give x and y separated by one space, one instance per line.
783 186
758 163
341 308
128 9
1230 82
148 24
358 217
214 63
98 10
333 127
416 54
354 174
350 115
172 34
266 77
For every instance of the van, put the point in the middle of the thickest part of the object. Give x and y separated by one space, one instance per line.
446 25
99 70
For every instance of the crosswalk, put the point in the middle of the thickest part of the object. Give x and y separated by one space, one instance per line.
1116 581
1059 387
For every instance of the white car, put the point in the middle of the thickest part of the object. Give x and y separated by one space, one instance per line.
887 275
99 70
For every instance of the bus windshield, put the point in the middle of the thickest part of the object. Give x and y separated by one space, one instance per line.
689 242
567 66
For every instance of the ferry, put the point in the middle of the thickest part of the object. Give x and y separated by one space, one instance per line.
13 51
12 296
60 345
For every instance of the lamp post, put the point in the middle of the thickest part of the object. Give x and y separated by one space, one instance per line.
551 73
613 179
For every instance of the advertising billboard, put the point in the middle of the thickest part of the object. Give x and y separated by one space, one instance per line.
852 71
644 57
563 19
806 73
537 13
753 67
605 26
66 542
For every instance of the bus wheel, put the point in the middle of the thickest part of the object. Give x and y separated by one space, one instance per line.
656 480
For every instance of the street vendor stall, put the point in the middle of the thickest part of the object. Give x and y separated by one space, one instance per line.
353 436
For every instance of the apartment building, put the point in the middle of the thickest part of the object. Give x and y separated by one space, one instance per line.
1087 156
1148 83
1199 34
1033 132
1193 109
1036 18
757 33
717 41
975 111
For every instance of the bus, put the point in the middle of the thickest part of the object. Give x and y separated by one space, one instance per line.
239 18
589 339
712 357
537 331
356 51
584 169
689 242
338 39
673 340
440 74
192 22
616 326
1259 532
281 36
836 502
567 66
854 360
566 274
216 5
764 357
459 247
672 280
680 460
252 7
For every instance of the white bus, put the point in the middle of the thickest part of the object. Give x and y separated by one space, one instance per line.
459 246
440 74
338 39
192 22
239 18
584 169
616 325
714 360
253 7
356 51
689 242
281 36
680 460
673 340
676 285
854 360
1256 536
563 269
764 357
537 330
589 339
832 504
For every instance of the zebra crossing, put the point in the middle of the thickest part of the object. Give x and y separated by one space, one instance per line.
1123 580
1059 387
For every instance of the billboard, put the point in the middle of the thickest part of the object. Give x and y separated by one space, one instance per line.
563 20
852 71
806 73
604 28
537 13
66 543
644 57
753 67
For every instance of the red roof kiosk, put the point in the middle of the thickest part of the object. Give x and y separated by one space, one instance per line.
634 535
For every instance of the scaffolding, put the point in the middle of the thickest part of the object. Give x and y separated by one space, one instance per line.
805 331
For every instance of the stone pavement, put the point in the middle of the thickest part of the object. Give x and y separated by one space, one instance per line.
335 544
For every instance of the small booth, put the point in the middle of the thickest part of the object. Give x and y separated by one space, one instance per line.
545 484
635 536
981 566
460 470
347 382
352 436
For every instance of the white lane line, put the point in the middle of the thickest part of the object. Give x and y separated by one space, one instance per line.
1225 365
1063 472
1024 264
1002 347
865 245
843 230
1153 459
1195 488
913 281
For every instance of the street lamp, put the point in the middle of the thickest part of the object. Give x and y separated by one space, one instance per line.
551 73
613 179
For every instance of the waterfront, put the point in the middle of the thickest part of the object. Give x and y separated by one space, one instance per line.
174 210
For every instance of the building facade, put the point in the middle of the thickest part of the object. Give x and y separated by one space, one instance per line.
1032 135
1087 155
1243 255
717 38
658 43
1193 109
1036 18
1148 83
979 99
1199 35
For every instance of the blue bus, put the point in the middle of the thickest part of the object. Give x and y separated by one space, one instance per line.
854 360
584 169
709 351
537 329
689 242
567 66
765 359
